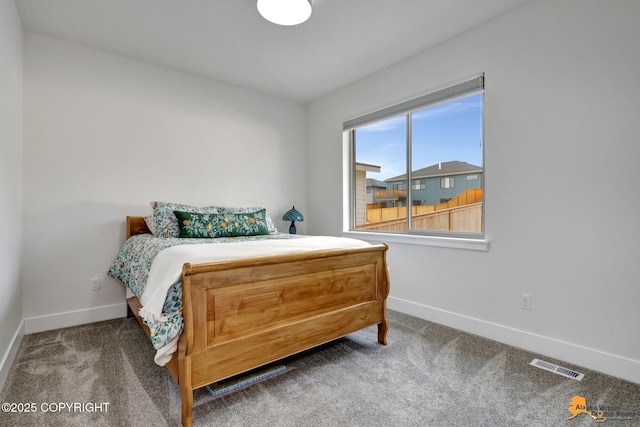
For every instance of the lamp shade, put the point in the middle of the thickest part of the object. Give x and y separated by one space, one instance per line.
285 12
292 215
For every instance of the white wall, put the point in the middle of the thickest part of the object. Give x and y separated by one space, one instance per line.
104 135
562 160
11 330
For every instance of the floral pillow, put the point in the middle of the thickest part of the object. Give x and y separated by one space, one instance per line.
270 225
151 224
198 225
165 222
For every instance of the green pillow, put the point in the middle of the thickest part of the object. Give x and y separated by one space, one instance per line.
164 219
194 224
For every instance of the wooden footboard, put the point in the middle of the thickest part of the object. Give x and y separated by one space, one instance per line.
240 315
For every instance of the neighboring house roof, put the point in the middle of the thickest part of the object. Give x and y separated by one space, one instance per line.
366 167
376 183
441 169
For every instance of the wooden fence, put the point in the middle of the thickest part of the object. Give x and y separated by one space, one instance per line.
462 218
462 213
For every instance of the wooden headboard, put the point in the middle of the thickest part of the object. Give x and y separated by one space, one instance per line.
136 225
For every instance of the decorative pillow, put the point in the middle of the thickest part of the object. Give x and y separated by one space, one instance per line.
270 225
194 224
151 224
166 224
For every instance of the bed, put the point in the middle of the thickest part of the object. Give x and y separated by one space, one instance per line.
246 313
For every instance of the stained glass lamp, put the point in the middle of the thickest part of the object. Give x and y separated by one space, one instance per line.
292 215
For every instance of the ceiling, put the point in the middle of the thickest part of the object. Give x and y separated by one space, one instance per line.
228 41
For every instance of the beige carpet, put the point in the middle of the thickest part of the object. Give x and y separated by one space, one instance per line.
428 375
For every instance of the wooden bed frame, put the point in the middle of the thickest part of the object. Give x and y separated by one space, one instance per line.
240 315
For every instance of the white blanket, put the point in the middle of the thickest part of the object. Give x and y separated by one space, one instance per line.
167 266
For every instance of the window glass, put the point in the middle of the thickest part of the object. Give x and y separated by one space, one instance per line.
438 148
386 140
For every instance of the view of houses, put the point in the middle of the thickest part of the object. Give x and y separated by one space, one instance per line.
445 197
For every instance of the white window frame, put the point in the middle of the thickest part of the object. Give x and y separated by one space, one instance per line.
476 241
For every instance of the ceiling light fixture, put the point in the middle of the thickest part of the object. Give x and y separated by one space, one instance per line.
285 12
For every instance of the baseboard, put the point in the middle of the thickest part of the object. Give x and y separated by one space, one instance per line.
606 363
10 355
74 318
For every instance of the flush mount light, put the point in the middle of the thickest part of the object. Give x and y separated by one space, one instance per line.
285 12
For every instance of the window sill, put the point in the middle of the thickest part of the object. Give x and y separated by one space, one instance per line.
442 242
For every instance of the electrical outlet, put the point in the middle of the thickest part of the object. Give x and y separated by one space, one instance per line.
95 283
525 302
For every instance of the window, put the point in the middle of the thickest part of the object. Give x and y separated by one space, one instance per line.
418 184
446 182
429 153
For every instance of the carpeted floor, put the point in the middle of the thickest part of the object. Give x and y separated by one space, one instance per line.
428 375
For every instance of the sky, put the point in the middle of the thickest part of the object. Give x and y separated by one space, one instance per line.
441 133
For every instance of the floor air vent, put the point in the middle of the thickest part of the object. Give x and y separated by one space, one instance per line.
565 372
